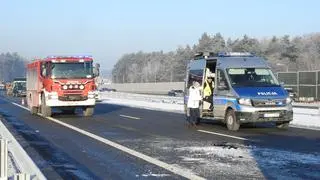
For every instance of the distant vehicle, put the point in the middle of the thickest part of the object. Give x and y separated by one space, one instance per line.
19 87
97 96
107 89
245 90
175 93
292 94
63 82
9 89
2 87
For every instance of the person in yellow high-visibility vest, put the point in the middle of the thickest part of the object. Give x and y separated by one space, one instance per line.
208 90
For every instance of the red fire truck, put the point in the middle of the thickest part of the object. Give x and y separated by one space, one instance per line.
63 82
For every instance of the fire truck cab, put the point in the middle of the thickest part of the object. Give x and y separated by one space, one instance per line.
63 82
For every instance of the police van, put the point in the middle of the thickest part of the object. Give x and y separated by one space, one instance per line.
244 90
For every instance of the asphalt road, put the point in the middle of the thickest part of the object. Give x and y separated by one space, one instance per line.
208 151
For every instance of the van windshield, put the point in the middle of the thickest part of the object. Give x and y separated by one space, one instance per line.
252 77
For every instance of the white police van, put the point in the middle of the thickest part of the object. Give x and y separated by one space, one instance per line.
245 90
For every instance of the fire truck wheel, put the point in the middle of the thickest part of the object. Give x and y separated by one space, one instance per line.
45 110
34 110
232 123
88 111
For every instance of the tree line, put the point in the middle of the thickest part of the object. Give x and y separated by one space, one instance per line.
12 66
283 53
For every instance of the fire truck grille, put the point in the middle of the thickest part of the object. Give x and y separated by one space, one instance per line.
73 97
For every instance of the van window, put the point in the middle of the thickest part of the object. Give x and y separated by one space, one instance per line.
195 75
222 81
240 77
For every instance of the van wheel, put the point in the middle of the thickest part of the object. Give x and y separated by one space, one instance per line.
46 111
283 125
232 123
88 111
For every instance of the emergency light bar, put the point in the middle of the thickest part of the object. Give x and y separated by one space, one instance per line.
235 54
86 56
205 55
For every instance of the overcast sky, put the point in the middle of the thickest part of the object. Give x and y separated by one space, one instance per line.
107 29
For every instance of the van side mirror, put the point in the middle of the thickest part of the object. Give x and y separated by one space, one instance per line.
222 86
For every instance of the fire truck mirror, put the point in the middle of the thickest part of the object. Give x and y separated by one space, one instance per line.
96 71
44 72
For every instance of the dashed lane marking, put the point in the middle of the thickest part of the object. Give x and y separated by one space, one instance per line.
130 117
225 135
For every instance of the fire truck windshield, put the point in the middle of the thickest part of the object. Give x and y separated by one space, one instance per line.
71 70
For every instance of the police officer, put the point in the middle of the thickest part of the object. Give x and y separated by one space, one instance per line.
208 90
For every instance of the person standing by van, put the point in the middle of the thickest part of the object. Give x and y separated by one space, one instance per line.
194 103
208 90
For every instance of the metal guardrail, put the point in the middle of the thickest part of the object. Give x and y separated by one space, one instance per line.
3 159
4 163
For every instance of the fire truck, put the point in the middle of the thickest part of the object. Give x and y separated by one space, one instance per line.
61 82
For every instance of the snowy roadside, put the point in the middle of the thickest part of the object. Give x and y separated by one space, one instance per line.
302 117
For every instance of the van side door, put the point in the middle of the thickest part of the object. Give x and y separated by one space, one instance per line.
220 94
195 72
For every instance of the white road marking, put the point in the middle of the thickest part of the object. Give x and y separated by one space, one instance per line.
20 106
225 135
309 128
172 168
130 117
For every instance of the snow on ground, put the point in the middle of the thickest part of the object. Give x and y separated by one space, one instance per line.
223 160
302 117
205 158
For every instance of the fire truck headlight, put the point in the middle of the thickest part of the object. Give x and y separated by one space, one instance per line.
70 86
81 86
76 86
64 87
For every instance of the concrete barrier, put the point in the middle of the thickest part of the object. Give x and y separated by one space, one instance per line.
147 88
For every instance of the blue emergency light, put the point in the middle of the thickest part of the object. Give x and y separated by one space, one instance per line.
79 56
235 54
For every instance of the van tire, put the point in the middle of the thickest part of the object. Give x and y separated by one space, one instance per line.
283 125
88 111
46 111
231 121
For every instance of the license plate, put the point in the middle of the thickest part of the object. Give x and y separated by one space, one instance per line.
271 115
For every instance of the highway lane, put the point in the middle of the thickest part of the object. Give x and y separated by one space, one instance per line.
162 135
